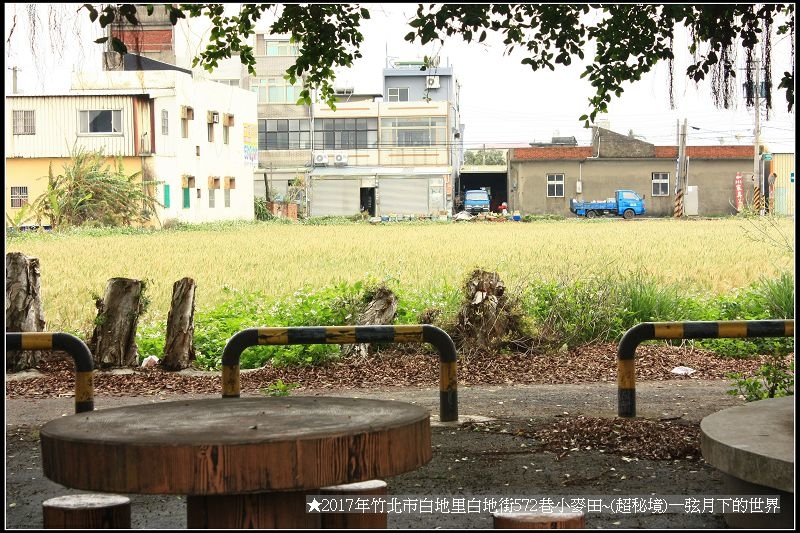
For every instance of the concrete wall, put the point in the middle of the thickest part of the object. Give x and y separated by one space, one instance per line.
600 178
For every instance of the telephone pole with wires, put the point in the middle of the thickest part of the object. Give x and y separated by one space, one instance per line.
680 172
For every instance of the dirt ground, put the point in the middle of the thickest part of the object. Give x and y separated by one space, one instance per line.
498 455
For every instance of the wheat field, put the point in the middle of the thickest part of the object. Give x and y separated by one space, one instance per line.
713 256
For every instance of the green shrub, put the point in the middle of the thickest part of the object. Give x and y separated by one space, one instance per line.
773 379
594 308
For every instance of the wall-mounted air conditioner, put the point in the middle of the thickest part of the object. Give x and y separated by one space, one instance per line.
320 158
214 117
432 82
340 159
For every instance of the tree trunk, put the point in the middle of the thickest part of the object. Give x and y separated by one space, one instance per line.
24 311
179 347
113 341
482 319
381 310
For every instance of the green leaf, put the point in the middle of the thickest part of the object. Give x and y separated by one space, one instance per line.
118 46
364 13
101 40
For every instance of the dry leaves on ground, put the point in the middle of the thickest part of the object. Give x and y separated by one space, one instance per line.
587 364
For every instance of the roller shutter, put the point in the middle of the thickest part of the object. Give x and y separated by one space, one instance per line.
403 196
334 197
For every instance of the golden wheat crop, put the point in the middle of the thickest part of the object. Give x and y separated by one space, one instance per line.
704 256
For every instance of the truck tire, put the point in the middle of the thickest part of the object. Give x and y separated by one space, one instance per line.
628 214
590 214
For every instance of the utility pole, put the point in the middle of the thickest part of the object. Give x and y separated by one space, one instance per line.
14 71
757 203
680 173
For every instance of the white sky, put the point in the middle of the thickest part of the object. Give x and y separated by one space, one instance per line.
502 101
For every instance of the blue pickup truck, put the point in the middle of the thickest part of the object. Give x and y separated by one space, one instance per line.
625 204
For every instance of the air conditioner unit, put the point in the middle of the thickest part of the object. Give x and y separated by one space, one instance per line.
340 159
213 117
432 82
320 158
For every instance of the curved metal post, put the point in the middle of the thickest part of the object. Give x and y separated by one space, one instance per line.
448 387
84 389
626 372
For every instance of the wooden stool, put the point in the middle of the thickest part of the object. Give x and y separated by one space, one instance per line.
373 487
567 519
87 511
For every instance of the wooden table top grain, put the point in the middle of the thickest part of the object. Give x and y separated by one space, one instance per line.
235 445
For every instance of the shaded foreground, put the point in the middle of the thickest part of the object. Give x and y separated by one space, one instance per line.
557 439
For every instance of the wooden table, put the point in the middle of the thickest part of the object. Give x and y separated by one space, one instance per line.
242 462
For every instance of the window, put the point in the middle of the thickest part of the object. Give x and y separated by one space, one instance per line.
211 132
24 122
229 184
166 195
660 183
398 94
284 134
345 133
629 195
187 114
555 185
275 48
100 121
211 198
275 91
19 196
164 122
225 134
232 83
413 131
199 191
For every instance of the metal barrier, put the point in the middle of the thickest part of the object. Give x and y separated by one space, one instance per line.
626 372
84 389
448 393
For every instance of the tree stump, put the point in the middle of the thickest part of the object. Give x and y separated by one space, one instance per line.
24 311
179 346
484 319
567 519
381 310
113 341
87 511
373 487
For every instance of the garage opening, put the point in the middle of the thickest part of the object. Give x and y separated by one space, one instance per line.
495 183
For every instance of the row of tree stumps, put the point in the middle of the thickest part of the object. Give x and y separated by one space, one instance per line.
113 339
487 318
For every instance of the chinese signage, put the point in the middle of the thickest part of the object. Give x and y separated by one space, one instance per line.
251 144
739 187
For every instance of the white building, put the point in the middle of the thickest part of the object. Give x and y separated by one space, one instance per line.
196 140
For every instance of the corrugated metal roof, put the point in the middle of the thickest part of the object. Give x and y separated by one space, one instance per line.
101 92
377 171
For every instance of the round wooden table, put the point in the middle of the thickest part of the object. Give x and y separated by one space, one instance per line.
243 462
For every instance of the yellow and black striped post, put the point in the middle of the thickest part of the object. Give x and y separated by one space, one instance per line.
448 388
678 210
84 388
626 372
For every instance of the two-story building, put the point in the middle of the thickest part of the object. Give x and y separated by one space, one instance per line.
193 143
